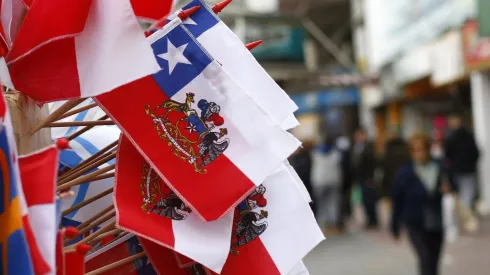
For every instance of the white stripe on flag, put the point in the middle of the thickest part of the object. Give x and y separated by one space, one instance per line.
112 50
38 215
204 241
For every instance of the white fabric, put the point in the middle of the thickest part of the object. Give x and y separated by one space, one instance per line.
290 123
42 218
288 242
11 16
112 49
237 60
325 170
258 145
205 242
299 269
5 74
299 182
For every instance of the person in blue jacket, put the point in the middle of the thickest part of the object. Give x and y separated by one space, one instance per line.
417 203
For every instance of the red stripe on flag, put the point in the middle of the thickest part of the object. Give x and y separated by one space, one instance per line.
252 258
60 254
49 20
40 266
38 179
211 194
163 259
31 74
152 9
129 200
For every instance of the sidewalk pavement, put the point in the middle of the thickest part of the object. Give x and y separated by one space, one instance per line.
375 253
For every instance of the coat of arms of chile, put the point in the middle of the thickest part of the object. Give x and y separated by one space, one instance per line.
196 137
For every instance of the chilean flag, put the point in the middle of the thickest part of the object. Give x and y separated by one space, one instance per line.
205 137
148 208
273 230
152 10
38 175
78 48
237 60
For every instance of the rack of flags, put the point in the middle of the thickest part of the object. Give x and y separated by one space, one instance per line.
170 146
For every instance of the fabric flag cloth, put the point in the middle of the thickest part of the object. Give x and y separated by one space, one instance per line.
237 60
130 247
148 208
193 115
164 261
78 48
11 15
14 245
152 10
60 254
75 260
265 241
38 174
83 147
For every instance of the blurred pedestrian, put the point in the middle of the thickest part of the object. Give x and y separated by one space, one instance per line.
363 160
462 153
326 180
343 144
301 162
417 203
396 155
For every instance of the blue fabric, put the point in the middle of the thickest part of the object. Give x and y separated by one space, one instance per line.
18 259
172 83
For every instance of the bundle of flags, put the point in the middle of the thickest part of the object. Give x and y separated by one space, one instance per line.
177 160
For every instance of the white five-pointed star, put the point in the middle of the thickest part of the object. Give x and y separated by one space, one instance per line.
191 127
174 56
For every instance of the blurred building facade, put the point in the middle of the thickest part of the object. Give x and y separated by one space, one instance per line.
432 61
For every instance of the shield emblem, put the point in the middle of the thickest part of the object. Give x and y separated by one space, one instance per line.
192 128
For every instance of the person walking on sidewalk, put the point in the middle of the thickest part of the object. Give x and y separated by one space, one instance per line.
462 153
363 167
417 203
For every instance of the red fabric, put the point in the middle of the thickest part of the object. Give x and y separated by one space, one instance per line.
211 194
49 19
152 9
74 263
38 262
129 201
31 74
252 258
60 254
164 261
38 175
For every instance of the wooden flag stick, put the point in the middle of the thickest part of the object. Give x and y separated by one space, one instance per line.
87 168
78 110
85 129
87 163
87 201
95 217
117 264
104 176
79 123
54 115
103 229
85 178
93 225
105 235
91 159
114 240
